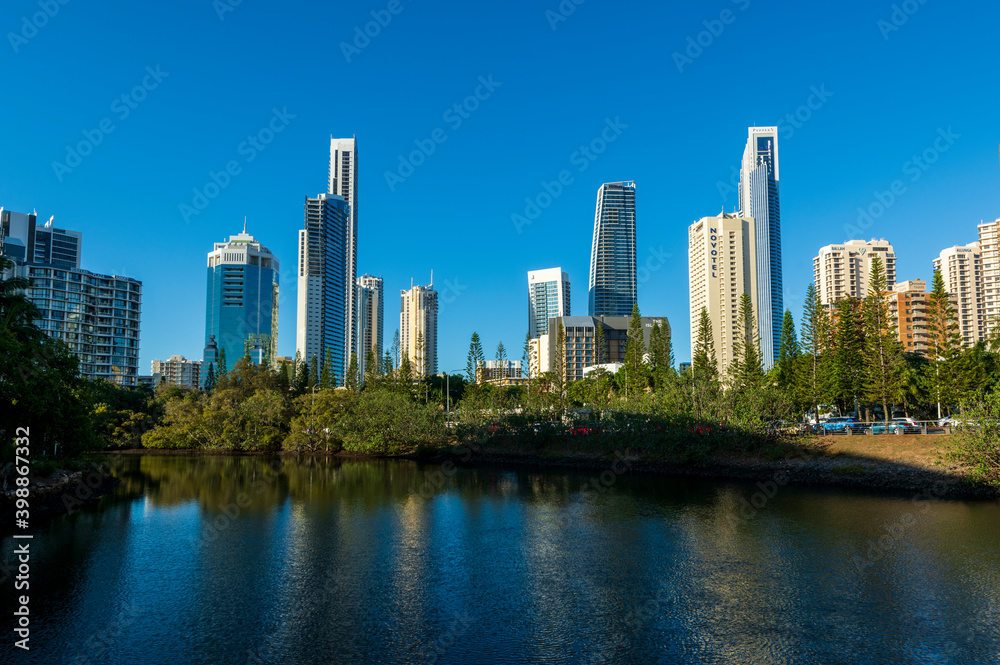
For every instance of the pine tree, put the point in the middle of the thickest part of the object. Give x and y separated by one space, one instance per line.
945 348
526 357
815 326
406 372
324 377
387 367
704 366
284 378
660 355
474 358
313 373
636 371
747 369
559 364
883 352
371 369
223 368
395 349
351 382
788 355
210 378
421 364
501 357
847 366
600 345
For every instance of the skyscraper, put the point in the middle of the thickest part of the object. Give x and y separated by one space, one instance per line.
323 287
962 274
370 303
842 271
612 254
989 243
97 316
721 268
548 297
241 309
759 201
344 183
418 328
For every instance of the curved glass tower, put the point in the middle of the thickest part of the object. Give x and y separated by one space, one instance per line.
612 255
759 201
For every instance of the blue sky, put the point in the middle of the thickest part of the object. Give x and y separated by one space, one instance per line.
884 82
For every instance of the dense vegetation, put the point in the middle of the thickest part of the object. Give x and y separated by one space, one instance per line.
849 359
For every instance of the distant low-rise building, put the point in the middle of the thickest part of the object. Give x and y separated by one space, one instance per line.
580 333
178 371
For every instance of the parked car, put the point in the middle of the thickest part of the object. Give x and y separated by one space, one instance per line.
842 424
895 426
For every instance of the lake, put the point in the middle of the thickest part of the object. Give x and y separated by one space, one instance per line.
226 560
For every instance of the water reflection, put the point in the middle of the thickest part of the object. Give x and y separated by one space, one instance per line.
278 560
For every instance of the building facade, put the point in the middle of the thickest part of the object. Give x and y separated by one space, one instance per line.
579 335
548 297
418 328
989 243
908 303
344 183
612 253
321 314
177 371
842 271
241 309
370 305
759 201
495 371
961 269
97 316
722 266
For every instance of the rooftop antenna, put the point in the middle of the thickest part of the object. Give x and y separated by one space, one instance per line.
48 224
244 225
432 279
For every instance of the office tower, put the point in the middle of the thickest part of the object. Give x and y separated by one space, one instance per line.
344 183
97 316
722 266
579 333
908 305
177 371
961 272
989 236
548 297
759 201
324 288
25 242
370 305
842 271
241 307
612 253
418 327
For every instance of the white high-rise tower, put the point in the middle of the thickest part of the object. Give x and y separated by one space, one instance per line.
344 183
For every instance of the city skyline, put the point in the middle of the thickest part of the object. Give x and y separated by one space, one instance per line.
923 178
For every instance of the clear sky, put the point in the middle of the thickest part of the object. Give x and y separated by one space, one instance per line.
675 85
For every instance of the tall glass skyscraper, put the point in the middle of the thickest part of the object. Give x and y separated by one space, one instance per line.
371 304
324 288
548 298
242 299
612 255
344 183
759 201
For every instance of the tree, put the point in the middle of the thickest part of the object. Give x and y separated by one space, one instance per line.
223 368
210 378
847 360
406 372
883 352
600 345
559 366
395 349
945 345
526 356
351 380
313 373
704 366
788 354
747 369
661 356
324 377
371 368
501 357
635 368
421 362
474 358
815 326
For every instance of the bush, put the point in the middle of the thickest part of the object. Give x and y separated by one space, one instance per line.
977 445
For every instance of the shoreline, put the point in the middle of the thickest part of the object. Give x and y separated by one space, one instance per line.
847 471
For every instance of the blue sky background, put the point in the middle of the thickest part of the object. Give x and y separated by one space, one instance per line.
891 91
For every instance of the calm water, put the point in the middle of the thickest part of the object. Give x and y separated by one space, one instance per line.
248 560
